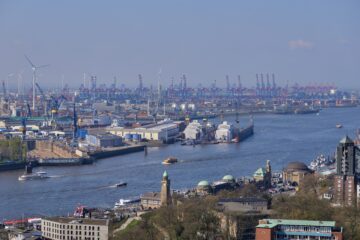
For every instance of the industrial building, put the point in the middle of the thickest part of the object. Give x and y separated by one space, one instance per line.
67 228
164 131
283 229
103 140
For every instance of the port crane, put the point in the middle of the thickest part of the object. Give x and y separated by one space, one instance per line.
4 90
44 99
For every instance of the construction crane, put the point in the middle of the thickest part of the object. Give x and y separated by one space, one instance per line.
44 99
28 110
4 90
24 119
75 127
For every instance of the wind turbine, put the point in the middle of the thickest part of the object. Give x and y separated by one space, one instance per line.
34 68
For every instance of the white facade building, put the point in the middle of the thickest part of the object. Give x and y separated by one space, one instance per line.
66 228
163 131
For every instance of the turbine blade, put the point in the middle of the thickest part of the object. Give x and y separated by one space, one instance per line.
42 66
28 59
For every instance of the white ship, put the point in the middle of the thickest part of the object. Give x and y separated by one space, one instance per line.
224 132
29 175
33 176
124 202
321 162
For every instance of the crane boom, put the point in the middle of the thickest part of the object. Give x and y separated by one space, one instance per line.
4 89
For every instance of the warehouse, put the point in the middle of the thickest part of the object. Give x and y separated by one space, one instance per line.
103 140
164 131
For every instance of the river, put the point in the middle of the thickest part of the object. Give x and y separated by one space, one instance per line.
279 138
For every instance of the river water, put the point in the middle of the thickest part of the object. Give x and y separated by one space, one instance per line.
280 138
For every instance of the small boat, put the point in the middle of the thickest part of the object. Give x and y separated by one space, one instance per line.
170 160
29 175
124 202
339 126
33 176
121 184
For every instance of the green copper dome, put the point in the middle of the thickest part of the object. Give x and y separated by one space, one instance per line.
228 178
203 184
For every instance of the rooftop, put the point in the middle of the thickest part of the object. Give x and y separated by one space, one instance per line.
346 139
296 166
70 220
271 223
151 196
243 200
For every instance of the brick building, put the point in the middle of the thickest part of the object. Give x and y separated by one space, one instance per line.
347 178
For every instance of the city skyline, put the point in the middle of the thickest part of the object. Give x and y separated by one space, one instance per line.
204 40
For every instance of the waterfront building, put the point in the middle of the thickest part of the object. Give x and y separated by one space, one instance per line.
103 140
283 229
347 178
228 179
153 200
295 172
164 131
203 188
263 175
68 228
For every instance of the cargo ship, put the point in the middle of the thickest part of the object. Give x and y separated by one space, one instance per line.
306 110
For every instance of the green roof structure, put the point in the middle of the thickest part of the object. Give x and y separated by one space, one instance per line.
260 172
271 223
203 184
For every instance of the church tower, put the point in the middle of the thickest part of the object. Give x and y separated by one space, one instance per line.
268 175
165 197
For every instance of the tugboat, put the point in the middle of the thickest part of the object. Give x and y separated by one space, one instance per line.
170 160
29 175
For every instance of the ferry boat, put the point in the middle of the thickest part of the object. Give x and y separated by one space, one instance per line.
170 160
33 176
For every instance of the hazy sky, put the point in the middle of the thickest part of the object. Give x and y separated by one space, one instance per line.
315 41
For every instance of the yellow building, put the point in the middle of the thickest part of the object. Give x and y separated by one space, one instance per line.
295 172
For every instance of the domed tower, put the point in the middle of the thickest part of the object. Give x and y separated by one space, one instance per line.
165 197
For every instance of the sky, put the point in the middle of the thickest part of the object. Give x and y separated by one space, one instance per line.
305 42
